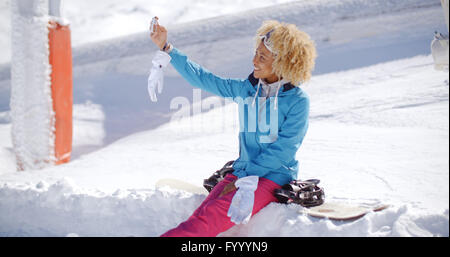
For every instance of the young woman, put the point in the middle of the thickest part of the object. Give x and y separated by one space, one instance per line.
284 58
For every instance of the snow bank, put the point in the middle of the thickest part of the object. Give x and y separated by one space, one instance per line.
64 209
284 220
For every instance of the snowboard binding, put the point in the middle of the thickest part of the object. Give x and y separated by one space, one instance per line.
218 176
306 193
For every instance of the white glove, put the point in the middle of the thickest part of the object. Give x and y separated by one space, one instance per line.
241 206
156 77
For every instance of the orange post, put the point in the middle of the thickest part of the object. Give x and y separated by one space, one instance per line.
61 78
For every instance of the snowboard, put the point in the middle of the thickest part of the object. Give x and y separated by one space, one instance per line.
332 210
341 211
180 185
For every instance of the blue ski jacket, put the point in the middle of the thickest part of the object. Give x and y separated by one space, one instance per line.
271 131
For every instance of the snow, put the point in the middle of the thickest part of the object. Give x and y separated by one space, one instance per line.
31 102
379 129
92 21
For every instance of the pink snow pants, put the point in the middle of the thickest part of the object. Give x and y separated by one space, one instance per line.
211 218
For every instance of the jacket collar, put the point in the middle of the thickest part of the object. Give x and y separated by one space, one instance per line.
254 81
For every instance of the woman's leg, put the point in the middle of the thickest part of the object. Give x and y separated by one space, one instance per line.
211 218
215 192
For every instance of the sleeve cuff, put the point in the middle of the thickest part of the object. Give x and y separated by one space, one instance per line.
240 173
161 58
173 52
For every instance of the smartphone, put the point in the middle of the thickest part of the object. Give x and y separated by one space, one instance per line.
153 25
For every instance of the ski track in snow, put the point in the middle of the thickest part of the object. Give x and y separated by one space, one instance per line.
378 130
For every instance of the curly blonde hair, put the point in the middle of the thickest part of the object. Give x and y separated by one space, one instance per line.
295 50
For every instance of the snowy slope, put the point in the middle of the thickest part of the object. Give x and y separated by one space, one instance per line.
378 131
110 192
355 33
92 21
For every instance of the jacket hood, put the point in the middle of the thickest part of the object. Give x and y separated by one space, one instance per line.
254 81
287 89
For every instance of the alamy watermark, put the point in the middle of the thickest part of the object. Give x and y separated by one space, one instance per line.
243 117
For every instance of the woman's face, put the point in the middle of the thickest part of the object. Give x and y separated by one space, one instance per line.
262 62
